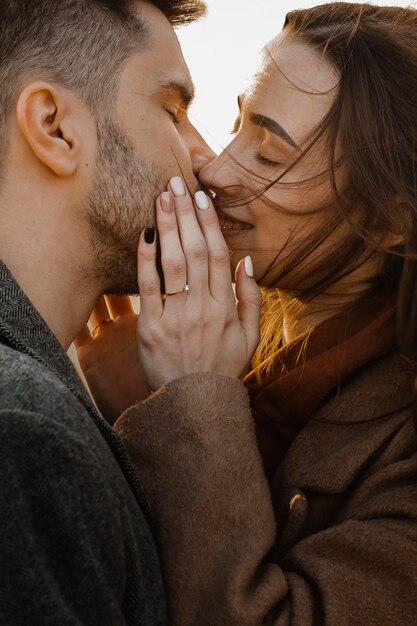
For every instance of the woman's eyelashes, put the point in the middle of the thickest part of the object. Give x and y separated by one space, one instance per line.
264 161
258 157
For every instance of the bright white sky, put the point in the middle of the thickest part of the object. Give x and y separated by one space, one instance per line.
222 52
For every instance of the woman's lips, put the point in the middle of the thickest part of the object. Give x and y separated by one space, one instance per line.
231 226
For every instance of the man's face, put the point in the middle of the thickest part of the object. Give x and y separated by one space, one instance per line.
144 143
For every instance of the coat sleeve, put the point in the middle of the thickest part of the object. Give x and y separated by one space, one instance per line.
194 449
59 551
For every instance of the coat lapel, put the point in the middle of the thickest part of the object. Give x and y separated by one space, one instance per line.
337 444
23 328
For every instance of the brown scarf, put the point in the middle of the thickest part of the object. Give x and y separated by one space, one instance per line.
297 386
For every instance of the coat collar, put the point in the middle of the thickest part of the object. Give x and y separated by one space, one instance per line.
22 327
378 389
354 425
306 372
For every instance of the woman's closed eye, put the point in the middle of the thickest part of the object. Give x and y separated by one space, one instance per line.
258 157
264 161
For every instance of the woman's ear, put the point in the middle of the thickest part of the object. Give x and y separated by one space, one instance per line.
44 117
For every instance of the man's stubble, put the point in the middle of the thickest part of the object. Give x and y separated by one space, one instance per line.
121 205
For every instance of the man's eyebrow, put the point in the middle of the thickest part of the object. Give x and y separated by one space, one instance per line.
273 127
186 92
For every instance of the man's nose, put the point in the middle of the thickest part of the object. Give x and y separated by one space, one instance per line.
201 154
201 159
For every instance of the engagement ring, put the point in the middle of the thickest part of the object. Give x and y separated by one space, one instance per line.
174 293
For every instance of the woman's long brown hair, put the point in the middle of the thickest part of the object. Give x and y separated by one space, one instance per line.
373 119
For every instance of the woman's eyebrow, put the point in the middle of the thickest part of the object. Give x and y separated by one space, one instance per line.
273 127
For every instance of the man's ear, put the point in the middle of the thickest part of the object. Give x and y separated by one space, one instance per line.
44 117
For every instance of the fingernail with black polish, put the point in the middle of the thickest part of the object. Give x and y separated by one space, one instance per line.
150 234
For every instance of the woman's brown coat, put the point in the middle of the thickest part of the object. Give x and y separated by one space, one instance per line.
333 539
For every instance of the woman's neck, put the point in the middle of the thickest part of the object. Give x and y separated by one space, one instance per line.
299 317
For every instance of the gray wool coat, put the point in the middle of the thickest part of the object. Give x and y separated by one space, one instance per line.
76 547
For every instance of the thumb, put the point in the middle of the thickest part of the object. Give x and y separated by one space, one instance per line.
249 301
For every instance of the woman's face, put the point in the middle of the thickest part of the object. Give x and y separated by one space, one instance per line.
291 94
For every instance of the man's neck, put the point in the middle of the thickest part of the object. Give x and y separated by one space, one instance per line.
48 265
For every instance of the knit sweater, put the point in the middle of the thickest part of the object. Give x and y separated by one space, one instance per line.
76 547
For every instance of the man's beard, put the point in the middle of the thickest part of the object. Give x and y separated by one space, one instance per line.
121 204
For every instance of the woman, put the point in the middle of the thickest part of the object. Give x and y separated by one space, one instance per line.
315 520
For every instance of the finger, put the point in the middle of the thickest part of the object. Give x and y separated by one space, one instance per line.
220 274
192 238
172 256
119 305
83 337
151 306
100 313
249 299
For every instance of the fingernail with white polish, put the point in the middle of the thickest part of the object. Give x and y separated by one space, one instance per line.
249 266
177 187
166 204
202 201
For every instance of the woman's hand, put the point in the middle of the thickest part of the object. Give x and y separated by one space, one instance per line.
109 357
202 329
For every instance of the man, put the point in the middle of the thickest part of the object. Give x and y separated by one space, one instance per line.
91 92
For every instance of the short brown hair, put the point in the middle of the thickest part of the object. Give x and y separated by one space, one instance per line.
81 44
181 12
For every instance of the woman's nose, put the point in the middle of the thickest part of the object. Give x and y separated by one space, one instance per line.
220 173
